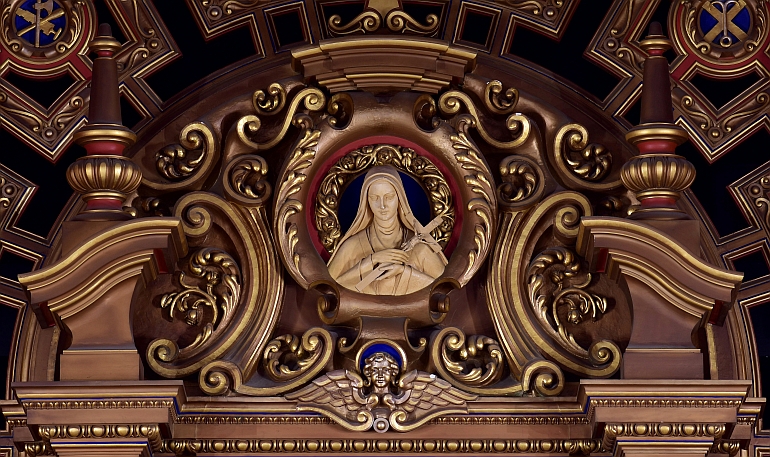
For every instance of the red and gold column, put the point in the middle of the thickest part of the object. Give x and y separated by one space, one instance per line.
104 177
657 175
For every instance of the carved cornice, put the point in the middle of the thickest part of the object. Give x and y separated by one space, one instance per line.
373 63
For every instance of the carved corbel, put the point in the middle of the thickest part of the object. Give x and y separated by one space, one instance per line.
673 293
95 283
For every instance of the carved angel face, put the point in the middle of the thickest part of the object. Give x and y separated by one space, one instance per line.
381 370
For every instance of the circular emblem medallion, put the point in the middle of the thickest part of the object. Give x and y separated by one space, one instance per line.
41 36
39 23
720 32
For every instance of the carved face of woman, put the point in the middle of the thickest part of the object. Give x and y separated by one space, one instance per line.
383 201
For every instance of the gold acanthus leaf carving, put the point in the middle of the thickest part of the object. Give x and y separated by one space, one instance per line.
300 159
245 180
521 180
518 124
288 356
475 361
220 294
179 161
356 162
480 183
561 267
589 162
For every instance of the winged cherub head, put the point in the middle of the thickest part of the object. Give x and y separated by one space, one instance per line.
380 371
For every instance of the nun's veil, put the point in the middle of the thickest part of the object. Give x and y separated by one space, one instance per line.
364 216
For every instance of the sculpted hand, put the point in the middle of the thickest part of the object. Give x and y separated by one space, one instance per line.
391 270
395 256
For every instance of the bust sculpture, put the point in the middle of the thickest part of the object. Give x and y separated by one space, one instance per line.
386 251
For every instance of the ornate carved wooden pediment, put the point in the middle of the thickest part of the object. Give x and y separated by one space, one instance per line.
381 240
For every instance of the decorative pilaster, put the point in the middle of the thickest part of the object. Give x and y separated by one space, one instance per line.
104 177
657 175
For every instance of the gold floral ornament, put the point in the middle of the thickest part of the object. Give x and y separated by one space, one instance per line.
561 267
380 397
220 295
402 158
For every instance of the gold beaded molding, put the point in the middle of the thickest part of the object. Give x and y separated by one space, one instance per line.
440 446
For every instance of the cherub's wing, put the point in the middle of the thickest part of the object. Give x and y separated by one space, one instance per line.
426 392
423 397
336 395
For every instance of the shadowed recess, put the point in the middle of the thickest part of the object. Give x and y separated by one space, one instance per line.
288 28
53 191
44 91
711 181
104 15
565 57
760 316
12 265
129 114
721 92
753 266
7 324
199 57
476 28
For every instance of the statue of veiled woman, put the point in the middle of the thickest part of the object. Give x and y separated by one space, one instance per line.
386 251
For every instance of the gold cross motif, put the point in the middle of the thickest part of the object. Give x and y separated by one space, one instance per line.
41 24
730 9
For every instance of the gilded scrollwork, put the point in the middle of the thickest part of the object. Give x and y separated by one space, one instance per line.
500 102
395 20
479 181
220 294
340 109
270 101
716 130
245 180
401 22
287 360
576 157
287 357
555 278
358 161
523 182
366 22
518 124
546 9
249 125
424 113
760 193
189 161
474 361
